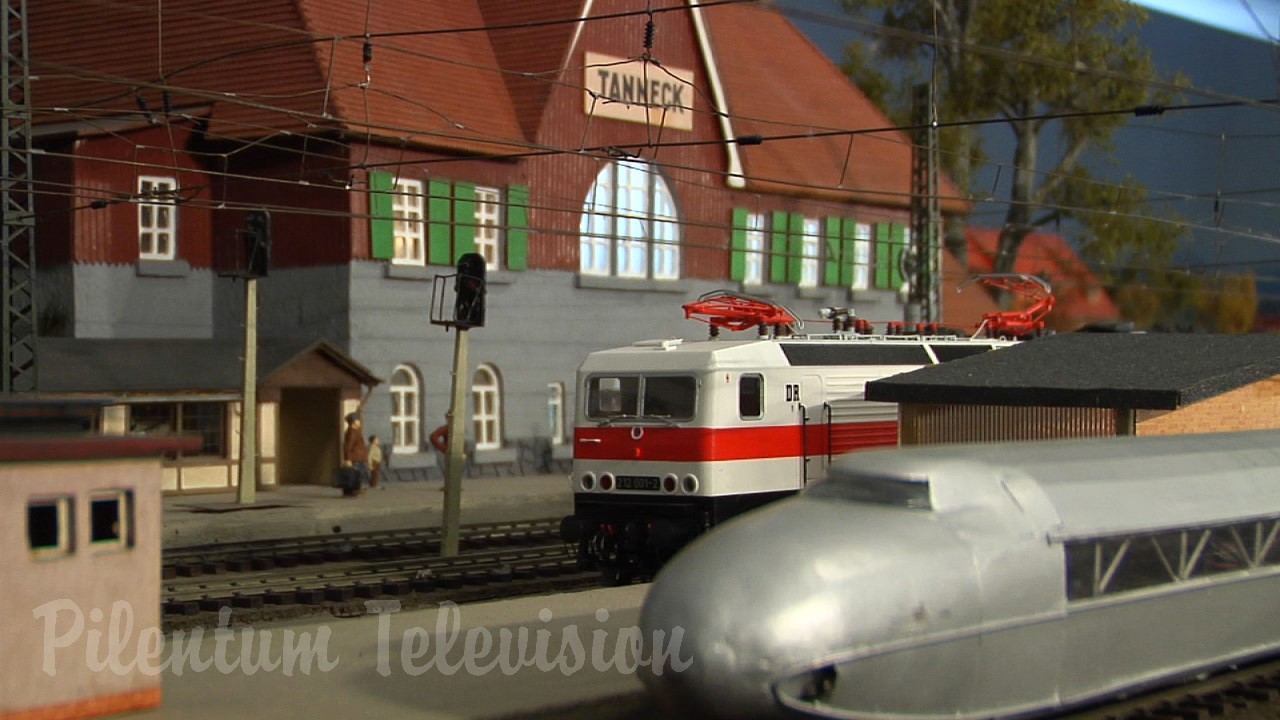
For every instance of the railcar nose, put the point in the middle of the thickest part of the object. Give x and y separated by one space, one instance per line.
747 605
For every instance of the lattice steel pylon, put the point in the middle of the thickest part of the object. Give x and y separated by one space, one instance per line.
924 272
17 245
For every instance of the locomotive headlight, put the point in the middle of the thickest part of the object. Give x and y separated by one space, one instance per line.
588 481
689 484
669 484
606 482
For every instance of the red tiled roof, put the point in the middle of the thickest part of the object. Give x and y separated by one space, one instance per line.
456 75
1079 296
780 83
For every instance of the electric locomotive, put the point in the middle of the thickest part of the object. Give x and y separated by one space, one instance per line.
673 437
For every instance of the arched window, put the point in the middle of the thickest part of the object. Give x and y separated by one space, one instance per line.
486 408
629 225
406 410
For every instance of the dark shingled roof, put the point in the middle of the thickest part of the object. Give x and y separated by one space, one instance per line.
1135 371
108 366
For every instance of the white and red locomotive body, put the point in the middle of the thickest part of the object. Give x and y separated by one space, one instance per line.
673 437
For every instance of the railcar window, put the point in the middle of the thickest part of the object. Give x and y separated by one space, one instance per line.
876 489
49 531
1104 566
750 396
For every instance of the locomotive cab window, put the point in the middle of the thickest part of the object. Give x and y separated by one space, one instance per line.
49 527
750 396
662 397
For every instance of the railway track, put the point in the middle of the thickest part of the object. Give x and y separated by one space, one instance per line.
297 577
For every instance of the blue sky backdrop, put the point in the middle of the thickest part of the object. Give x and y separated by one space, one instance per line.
1254 18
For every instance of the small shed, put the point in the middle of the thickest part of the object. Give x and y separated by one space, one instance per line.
161 387
1092 385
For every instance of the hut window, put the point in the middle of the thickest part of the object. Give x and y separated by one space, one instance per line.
49 527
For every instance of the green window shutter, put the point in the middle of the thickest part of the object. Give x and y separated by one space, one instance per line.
795 247
464 219
382 226
778 247
848 256
439 223
738 245
898 240
883 257
834 260
518 227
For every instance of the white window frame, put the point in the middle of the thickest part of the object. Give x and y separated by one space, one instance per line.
810 253
630 226
861 257
488 217
409 213
157 218
406 411
124 512
753 252
486 408
555 412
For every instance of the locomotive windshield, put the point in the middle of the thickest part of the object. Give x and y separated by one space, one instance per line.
638 397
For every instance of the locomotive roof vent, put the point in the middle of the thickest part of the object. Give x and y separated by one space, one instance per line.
661 344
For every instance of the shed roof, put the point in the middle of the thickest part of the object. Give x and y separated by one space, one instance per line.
1133 371
117 366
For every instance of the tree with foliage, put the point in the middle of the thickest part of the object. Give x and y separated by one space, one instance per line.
1061 76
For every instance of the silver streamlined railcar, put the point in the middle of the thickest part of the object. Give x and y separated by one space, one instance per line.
982 581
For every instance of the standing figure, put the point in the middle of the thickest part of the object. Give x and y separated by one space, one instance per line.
355 457
375 462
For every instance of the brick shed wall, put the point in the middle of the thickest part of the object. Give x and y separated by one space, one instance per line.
1253 407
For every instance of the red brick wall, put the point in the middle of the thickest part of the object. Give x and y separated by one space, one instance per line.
1253 407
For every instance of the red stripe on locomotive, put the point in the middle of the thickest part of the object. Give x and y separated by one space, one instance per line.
676 444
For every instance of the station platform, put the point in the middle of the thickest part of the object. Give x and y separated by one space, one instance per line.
303 510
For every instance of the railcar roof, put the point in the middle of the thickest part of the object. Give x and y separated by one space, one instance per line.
1111 486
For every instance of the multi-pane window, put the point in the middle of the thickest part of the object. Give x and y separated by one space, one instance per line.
810 249
157 218
410 229
488 225
629 224
1106 566
861 257
753 265
49 529
486 407
205 419
555 412
405 414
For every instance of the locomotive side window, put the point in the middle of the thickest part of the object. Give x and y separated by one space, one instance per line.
49 527
1106 566
750 396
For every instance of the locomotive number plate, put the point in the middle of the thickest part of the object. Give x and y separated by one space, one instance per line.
638 482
